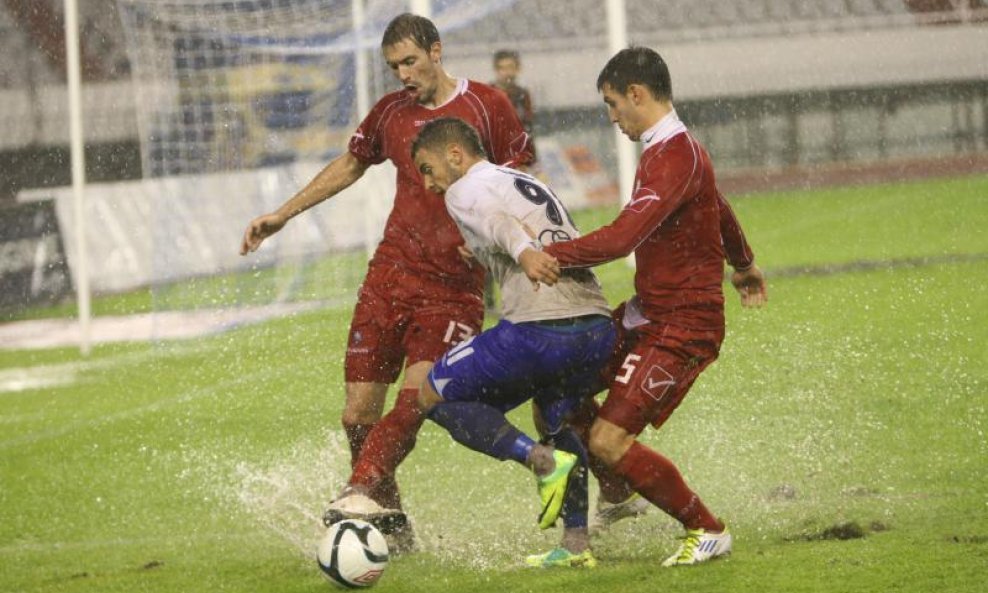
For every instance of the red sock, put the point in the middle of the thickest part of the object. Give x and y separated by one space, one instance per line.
387 445
657 479
613 488
356 434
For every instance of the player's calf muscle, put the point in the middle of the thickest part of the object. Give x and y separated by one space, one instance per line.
364 403
609 442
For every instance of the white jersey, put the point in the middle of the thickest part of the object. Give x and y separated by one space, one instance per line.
494 207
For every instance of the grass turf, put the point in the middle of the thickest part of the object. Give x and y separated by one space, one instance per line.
853 406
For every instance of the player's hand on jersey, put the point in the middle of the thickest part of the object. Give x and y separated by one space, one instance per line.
539 267
467 254
750 284
260 229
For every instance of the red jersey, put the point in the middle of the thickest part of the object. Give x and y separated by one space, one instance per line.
420 235
680 228
521 99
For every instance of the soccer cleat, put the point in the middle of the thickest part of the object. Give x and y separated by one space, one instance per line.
609 513
353 505
552 487
561 557
700 545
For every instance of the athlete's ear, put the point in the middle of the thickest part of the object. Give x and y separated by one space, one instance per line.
635 93
454 154
436 52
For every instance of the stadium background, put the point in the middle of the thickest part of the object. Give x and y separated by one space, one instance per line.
200 114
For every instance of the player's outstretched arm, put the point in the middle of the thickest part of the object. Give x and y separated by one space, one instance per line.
750 284
338 175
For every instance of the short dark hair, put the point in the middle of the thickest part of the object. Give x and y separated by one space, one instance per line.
506 54
637 65
411 26
436 134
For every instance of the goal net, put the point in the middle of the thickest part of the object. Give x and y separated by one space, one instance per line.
239 104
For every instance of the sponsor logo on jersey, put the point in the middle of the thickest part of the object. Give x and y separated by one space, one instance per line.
657 382
550 236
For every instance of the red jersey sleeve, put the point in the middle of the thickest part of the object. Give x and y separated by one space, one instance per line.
367 142
660 190
736 247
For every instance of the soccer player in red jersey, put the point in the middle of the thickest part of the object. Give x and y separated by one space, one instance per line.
680 229
420 296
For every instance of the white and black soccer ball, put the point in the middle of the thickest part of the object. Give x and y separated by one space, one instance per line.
353 554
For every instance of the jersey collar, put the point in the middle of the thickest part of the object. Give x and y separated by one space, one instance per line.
480 166
665 128
461 87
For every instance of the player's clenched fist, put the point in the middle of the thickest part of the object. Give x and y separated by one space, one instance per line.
539 267
260 229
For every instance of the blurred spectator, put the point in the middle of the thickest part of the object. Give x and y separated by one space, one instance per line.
507 65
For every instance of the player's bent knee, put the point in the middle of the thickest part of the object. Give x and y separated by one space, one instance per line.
427 397
416 374
609 442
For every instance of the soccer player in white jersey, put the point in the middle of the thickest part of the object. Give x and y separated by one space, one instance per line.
550 345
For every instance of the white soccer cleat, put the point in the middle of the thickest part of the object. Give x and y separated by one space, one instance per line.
701 545
354 505
609 513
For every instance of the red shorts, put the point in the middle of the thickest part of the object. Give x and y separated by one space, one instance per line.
656 371
402 317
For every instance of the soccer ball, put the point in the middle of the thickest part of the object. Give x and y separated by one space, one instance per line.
353 554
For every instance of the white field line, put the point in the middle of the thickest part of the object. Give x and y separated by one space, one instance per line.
41 377
151 542
146 327
56 375
17 379
155 406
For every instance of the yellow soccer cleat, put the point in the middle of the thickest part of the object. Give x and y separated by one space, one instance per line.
552 487
563 558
